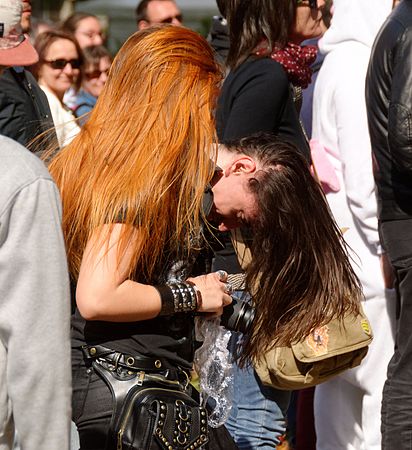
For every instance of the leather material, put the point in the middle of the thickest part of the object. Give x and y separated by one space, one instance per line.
389 106
131 362
152 412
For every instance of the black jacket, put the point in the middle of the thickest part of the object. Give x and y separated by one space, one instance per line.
389 106
24 109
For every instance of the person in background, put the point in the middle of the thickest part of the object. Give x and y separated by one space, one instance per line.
154 12
85 27
58 69
262 92
218 36
34 284
340 127
389 109
88 31
94 71
24 110
39 26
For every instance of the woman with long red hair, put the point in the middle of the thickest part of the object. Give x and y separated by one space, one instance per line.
132 185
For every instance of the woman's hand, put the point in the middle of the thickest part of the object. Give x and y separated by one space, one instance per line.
213 291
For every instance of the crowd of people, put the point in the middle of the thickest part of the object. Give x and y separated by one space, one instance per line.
133 185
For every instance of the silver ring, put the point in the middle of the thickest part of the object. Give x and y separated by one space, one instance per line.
228 288
222 274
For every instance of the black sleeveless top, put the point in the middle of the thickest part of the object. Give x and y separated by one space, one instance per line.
170 337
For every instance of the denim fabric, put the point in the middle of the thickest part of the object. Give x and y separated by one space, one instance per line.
397 394
257 419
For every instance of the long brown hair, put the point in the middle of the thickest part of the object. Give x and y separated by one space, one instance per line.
250 21
300 274
143 157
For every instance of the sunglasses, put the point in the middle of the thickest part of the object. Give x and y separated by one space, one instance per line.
60 64
313 4
179 17
95 74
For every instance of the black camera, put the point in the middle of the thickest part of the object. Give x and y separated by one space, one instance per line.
238 316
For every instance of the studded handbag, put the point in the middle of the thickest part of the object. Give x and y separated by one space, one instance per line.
152 411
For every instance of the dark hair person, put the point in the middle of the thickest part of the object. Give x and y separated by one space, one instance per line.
156 12
300 274
262 92
265 57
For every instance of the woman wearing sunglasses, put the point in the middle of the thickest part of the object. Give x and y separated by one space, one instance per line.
268 68
97 61
58 69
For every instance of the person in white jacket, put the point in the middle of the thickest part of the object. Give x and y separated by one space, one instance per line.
35 375
347 409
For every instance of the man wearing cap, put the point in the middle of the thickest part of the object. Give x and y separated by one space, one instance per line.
154 12
35 376
24 110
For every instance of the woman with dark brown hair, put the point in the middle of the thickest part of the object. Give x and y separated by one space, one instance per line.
262 92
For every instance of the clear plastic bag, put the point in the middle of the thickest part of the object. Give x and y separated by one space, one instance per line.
214 365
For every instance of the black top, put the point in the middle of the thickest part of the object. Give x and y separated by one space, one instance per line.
24 109
257 97
169 337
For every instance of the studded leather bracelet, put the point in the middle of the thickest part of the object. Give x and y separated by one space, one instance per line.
181 297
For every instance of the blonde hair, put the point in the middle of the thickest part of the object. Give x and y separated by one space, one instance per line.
143 156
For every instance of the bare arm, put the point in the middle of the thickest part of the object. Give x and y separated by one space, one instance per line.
105 293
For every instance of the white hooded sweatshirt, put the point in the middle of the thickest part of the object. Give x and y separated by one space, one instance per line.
340 125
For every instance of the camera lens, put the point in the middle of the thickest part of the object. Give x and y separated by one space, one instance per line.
238 316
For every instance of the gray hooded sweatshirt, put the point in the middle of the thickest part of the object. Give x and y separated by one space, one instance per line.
35 380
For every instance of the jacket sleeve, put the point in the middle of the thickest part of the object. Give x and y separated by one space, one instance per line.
13 119
34 318
400 106
259 101
355 152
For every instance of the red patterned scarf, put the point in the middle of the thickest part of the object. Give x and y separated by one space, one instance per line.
295 59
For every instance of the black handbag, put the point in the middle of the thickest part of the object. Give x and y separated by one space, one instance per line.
150 410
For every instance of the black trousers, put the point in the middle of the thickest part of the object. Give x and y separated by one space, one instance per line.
93 407
396 237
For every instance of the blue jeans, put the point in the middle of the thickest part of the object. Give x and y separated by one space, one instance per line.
257 419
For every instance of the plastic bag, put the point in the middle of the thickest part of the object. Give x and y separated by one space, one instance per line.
214 365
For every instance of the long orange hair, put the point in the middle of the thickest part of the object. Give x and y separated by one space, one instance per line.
143 157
